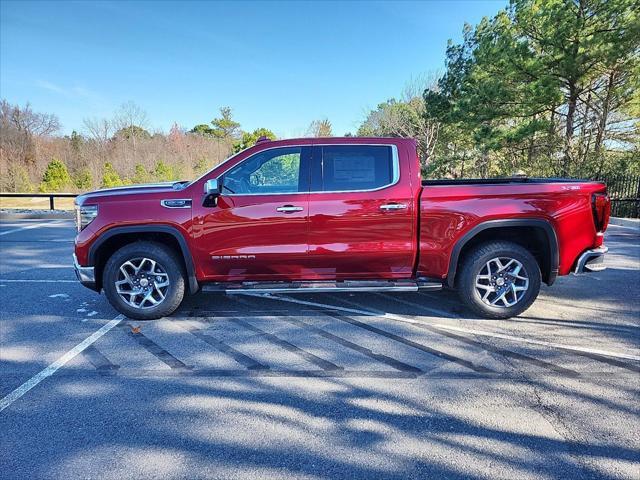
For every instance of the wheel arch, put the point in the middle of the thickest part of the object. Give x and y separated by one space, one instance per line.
548 257
117 237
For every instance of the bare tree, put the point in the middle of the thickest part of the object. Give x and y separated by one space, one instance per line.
130 115
407 117
26 120
20 129
320 128
99 130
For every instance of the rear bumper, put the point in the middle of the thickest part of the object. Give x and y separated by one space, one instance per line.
86 275
591 261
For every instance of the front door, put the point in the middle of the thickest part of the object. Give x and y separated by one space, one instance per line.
258 230
361 216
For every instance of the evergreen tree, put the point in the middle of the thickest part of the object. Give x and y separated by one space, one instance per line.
56 177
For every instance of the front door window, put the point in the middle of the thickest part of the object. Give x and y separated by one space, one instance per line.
272 171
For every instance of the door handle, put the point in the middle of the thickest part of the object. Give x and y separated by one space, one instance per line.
393 206
289 209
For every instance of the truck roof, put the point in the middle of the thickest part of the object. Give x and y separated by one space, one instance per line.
335 140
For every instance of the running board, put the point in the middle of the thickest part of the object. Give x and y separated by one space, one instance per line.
324 286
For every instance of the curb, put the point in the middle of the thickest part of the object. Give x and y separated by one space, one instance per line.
625 222
36 214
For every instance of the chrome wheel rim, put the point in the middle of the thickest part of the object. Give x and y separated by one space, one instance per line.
502 282
142 283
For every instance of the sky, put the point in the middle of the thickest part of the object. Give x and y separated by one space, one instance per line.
277 65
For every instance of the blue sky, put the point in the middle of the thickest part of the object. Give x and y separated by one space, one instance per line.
277 65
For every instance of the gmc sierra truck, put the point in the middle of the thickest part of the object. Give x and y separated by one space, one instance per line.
332 215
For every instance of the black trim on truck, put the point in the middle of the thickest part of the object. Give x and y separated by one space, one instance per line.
500 181
513 222
174 232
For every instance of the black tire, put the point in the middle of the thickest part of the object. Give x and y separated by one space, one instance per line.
171 265
472 265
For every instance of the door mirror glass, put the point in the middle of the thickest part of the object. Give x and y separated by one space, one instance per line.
212 187
211 192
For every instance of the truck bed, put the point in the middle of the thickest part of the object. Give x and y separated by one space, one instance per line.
558 209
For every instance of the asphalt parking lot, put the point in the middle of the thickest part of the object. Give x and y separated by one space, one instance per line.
314 386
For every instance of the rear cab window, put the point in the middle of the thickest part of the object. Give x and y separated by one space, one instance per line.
344 168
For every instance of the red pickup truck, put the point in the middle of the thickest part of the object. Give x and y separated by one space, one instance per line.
337 214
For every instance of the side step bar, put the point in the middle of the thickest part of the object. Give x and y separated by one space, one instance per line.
324 286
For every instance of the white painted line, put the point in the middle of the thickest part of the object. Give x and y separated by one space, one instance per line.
437 311
38 281
452 328
629 227
28 227
51 369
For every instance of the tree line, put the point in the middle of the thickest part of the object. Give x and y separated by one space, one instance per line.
544 88
114 151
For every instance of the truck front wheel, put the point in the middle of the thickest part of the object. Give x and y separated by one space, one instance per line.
144 280
499 279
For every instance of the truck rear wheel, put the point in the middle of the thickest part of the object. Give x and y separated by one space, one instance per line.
144 280
499 279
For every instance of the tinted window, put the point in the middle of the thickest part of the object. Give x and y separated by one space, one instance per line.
356 167
271 171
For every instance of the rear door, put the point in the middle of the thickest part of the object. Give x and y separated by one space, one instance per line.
258 229
361 218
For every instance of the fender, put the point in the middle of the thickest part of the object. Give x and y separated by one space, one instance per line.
173 231
546 226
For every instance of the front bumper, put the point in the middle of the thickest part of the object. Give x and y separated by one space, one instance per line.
86 275
591 261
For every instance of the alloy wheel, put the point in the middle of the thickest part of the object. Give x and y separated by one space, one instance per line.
142 283
502 282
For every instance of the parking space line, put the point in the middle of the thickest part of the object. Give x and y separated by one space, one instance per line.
418 346
392 362
308 356
505 353
610 361
219 345
486 346
2 280
572 348
437 311
220 372
153 348
29 227
55 366
98 359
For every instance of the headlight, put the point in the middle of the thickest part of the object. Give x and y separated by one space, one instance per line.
85 215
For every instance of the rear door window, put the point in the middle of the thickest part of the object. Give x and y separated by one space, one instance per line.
355 167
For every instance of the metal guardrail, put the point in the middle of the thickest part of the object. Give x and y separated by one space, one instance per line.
624 191
50 196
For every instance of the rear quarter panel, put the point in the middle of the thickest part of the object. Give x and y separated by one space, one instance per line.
447 212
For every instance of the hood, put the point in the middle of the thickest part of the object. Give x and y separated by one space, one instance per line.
131 190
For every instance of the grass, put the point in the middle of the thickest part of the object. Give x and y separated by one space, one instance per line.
26 203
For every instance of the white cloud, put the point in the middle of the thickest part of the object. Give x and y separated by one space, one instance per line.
76 92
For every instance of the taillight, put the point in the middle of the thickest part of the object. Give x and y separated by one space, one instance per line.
601 205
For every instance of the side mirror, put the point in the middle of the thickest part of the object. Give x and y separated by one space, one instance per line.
212 189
